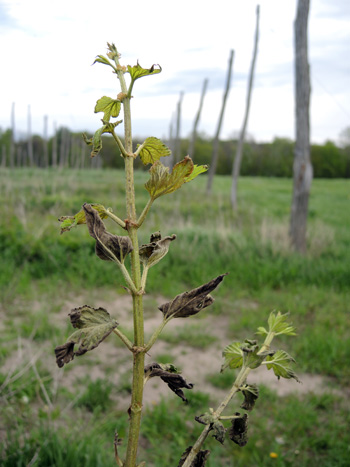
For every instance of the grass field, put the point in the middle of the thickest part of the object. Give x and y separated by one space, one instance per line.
52 417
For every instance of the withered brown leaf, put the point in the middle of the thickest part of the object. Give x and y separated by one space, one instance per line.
93 324
151 253
238 430
173 379
199 461
190 303
108 246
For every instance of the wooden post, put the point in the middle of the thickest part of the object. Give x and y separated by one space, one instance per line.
302 167
214 158
196 121
239 153
177 142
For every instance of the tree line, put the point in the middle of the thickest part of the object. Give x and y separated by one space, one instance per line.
275 159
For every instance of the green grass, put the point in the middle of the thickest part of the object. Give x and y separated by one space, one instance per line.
41 270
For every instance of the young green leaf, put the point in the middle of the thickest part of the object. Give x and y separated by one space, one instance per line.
238 432
108 247
199 461
96 140
68 222
252 356
152 253
169 374
152 150
137 71
162 182
104 61
281 362
278 324
197 170
190 303
233 355
110 107
94 324
250 393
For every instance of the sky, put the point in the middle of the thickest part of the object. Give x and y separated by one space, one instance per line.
48 48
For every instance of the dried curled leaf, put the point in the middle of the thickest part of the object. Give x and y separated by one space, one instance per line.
96 140
238 432
190 303
68 222
215 425
250 393
169 374
152 253
108 247
162 182
199 461
94 324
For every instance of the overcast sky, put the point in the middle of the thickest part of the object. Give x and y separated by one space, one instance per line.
48 47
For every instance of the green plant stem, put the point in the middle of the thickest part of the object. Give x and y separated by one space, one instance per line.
116 219
145 212
156 334
119 143
123 338
241 378
138 351
144 277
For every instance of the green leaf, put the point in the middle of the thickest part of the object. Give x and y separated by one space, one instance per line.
162 182
238 431
190 303
197 170
262 331
281 362
250 393
233 355
252 357
68 222
109 247
152 150
94 324
103 60
137 71
110 107
152 253
279 325
96 140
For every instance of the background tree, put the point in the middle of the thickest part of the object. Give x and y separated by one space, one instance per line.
302 167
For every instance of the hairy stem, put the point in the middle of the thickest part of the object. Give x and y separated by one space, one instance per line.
138 352
123 338
116 219
145 212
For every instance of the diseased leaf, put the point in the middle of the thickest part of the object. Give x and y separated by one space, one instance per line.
281 362
169 374
94 324
190 303
233 355
238 432
250 393
137 71
108 247
152 150
96 140
162 182
110 107
152 253
215 425
199 461
68 222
